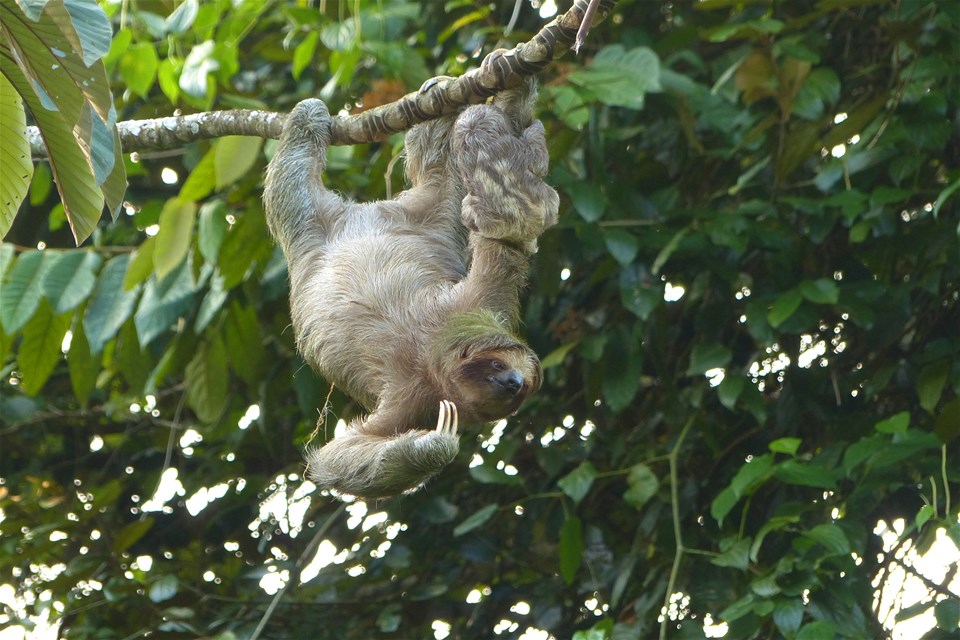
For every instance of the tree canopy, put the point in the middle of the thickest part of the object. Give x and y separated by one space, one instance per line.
748 316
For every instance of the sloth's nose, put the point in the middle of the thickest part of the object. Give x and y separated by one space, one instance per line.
511 381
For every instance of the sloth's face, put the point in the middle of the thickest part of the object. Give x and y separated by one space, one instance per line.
493 384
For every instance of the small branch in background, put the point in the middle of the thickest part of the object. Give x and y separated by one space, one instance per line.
496 73
585 25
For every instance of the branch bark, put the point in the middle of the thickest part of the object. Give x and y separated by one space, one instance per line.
495 74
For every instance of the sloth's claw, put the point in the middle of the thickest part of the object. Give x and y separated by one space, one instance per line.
448 421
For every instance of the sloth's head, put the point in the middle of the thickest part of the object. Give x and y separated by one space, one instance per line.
485 370
493 384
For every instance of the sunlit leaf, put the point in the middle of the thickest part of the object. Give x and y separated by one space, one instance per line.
234 156
16 169
40 350
176 232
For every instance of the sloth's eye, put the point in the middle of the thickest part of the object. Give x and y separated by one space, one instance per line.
497 365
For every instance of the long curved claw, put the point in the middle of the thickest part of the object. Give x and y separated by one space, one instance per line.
448 420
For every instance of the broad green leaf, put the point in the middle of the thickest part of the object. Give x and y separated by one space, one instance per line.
894 424
784 307
138 68
212 229
247 241
787 615
16 169
199 184
931 382
773 524
642 484
234 157
721 505
829 536
706 357
20 291
70 280
947 424
211 304
923 515
163 303
820 291
200 63
92 28
577 483
817 631
637 294
243 338
588 200
141 264
788 446
181 19
176 232
206 377
475 520
303 53
81 196
81 364
7 254
132 361
40 351
163 588
807 475
619 77
947 613
110 305
168 77
734 554
738 609
622 245
730 389
557 357
621 379
571 548
130 533
569 105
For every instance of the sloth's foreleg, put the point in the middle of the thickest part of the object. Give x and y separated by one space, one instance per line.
377 466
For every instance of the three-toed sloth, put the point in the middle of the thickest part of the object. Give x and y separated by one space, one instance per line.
411 305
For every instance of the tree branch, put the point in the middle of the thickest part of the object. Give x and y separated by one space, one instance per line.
498 72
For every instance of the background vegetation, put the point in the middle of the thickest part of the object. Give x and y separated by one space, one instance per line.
748 315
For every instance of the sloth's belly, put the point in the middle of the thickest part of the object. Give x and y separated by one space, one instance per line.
363 304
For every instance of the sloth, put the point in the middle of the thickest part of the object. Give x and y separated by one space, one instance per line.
411 305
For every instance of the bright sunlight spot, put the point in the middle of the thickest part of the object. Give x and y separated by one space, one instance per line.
441 629
169 176
673 292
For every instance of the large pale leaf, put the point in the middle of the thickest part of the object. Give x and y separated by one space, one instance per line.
110 305
235 155
620 77
20 290
173 239
81 197
16 169
68 282
40 350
